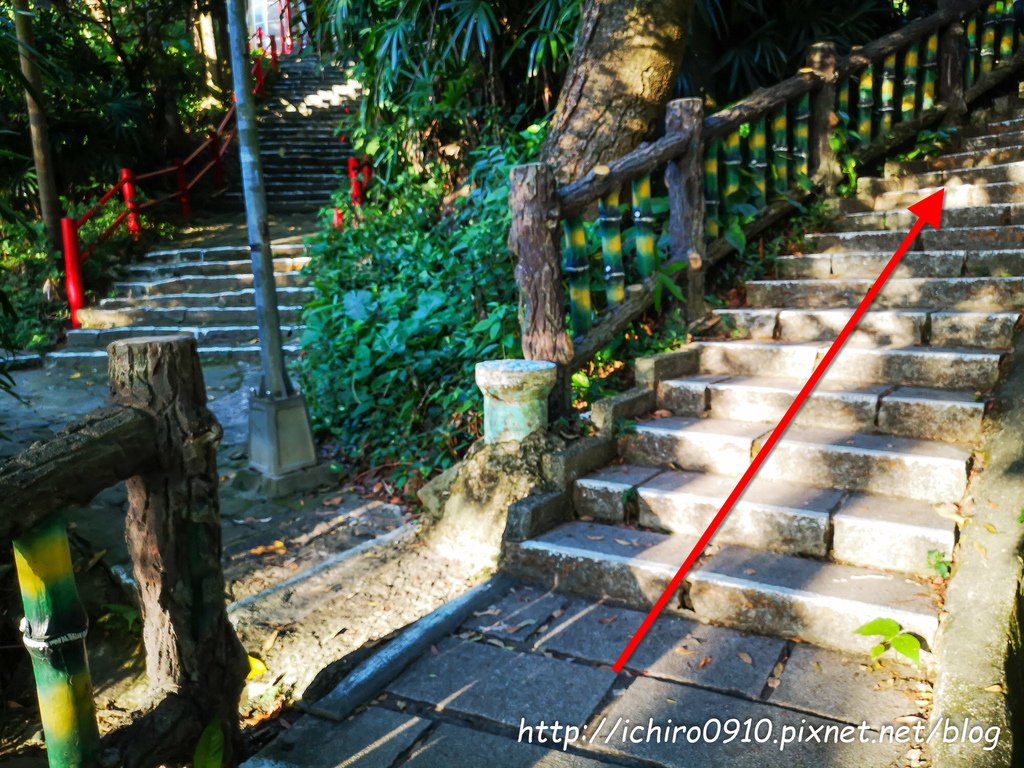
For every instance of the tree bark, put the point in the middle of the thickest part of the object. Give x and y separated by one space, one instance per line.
623 69
49 204
193 656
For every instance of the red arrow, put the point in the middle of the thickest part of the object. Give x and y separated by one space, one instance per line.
928 211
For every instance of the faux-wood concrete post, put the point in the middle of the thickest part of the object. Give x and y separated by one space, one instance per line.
534 205
685 180
824 167
193 656
952 55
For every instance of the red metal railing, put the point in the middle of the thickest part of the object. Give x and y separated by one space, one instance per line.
75 253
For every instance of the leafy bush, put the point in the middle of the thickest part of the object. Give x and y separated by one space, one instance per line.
407 302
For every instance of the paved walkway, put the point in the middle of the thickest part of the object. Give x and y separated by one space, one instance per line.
535 658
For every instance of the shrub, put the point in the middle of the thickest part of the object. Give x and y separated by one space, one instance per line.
406 304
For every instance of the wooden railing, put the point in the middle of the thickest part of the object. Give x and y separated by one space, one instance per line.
159 437
730 175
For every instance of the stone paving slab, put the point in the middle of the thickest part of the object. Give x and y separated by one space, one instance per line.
519 615
450 746
482 680
373 738
673 649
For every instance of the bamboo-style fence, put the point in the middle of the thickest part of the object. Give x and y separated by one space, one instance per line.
746 166
158 436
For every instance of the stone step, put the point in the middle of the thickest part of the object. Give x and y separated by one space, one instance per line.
919 412
943 367
211 284
1009 171
1008 124
965 160
956 197
893 534
964 293
223 252
241 298
870 264
226 267
878 328
920 469
214 336
945 239
98 318
97 359
765 592
992 140
987 215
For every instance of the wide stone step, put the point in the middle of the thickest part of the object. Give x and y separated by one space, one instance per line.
226 267
215 336
222 252
921 412
974 158
877 328
920 469
1009 171
213 284
985 215
945 239
963 293
241 298
765 592
96 318
992 140
955 198
870 264
944 367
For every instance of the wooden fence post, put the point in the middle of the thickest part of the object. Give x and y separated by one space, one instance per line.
824 167
952 58
174 537
685 180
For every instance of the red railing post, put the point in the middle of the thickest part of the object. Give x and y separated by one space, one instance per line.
285 20
355 181
183 201
257 73
128 193
259 36
218 164
273 53
72 268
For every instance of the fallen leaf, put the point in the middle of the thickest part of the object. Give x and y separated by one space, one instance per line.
596 538
256 668
607 620
995 688
773 682
704 662
624 543
990 528
981 549
744 657
683 651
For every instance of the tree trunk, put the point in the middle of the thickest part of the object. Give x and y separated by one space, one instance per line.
174 537
49 204
622 73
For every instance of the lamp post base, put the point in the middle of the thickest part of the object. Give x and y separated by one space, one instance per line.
280 437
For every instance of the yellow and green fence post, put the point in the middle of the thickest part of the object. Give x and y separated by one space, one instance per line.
802 136
610 218
988 37
643 227
577 270
733 161
865 104
712 220
54 630
1007 32
780 150
757 143
888 93
908 93
971 63
928 68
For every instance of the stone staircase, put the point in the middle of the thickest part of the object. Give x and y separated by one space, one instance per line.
203 291
304 162
837 528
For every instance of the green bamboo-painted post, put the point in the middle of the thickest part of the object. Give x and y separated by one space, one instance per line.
577 271
610 218
643 227
908 93
757 143
1007 33
54 631
711 190
887 94
971 65
928 70
988 38
866 104
843 100
733 162
780 150
802 137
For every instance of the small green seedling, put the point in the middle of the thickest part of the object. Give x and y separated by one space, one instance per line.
893 636
938 562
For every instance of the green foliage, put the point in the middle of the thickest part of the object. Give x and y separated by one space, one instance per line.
209 752
121 616
842 140
928 144
407 302
939 562
894 637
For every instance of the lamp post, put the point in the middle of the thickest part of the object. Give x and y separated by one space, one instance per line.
280 437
